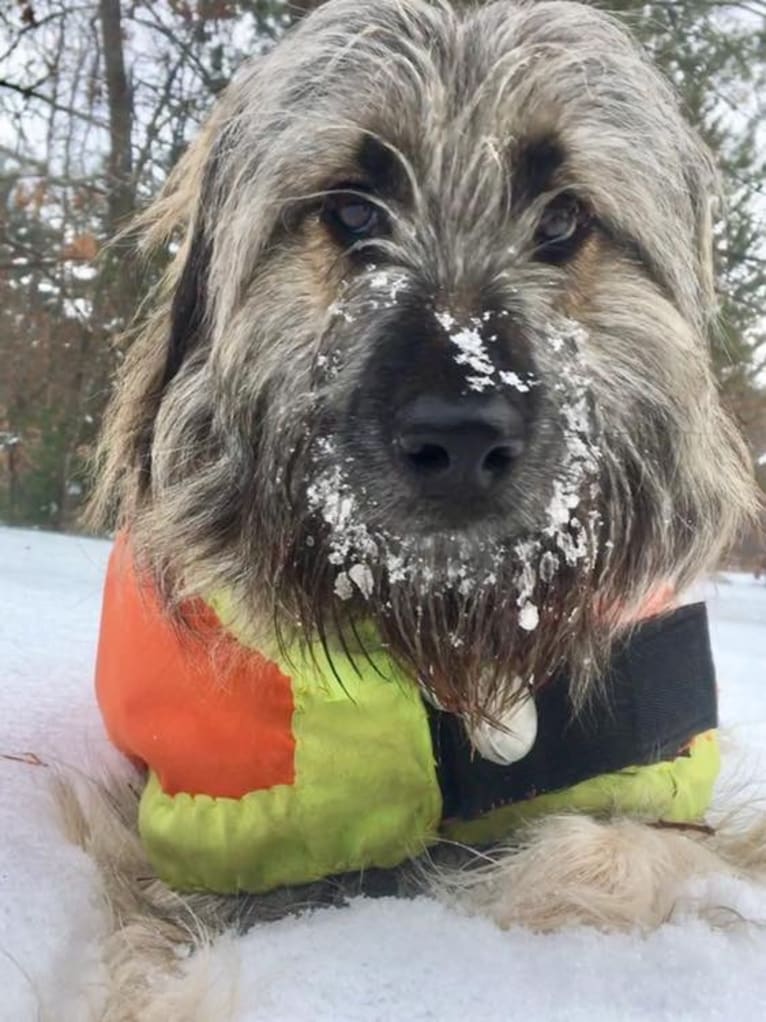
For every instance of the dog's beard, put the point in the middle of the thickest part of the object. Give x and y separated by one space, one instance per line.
465 616
467 612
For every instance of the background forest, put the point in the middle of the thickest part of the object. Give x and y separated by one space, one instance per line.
97 100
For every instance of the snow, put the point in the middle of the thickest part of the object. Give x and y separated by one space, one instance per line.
378 959
50 915
529 617
471 351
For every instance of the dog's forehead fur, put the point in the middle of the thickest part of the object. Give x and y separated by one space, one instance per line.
463 99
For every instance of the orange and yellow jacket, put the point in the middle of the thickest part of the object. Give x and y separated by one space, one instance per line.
263 773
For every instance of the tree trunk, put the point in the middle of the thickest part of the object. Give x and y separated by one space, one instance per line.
121 190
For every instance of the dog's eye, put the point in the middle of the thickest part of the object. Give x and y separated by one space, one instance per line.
561 228
352 216
357 217
559 221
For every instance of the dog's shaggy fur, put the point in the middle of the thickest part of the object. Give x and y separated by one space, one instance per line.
248 448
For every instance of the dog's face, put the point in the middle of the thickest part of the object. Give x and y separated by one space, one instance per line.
436 350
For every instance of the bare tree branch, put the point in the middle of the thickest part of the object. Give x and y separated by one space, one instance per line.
30 92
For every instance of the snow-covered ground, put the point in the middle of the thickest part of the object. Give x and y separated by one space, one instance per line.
383 960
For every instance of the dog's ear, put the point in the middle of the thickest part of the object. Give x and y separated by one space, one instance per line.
189 307
181 329
162 349
163 344
181 297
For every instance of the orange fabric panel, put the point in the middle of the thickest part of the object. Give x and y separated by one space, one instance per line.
208 716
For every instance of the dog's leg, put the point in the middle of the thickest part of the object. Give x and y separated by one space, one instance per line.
615 875
158 953
153 930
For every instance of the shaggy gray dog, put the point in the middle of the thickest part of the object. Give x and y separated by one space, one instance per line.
405 224
433 354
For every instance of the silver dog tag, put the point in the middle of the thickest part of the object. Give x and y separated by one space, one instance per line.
512 738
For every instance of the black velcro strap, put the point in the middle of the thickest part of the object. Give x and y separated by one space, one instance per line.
661 692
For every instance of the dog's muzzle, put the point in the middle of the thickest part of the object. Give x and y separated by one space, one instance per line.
448 412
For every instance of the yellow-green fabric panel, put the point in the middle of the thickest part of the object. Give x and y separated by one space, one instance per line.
366 791
365 794
679 791
263 840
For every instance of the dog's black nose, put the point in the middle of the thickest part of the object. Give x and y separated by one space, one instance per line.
461 449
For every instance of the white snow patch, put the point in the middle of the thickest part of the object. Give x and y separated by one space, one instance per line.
339 309
511 379
529 617
561 504
343 588
392 282
377 959
330 495
362 578
549 565
446 320
471 350
478 383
